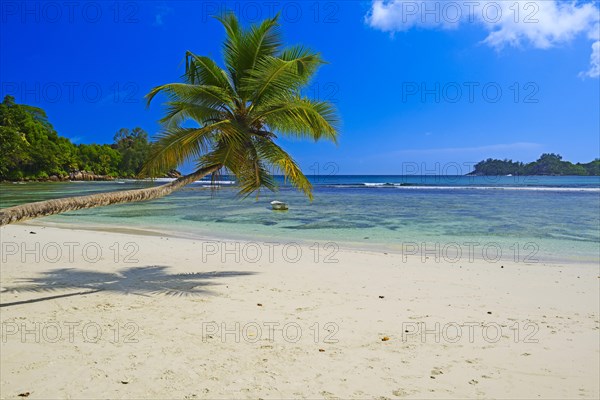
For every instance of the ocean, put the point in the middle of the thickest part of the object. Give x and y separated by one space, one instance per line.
526 219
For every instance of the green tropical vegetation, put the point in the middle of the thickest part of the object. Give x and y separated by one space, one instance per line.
32 149
547 164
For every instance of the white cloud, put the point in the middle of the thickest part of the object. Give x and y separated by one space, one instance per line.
540 24
402 15
594 71
543 24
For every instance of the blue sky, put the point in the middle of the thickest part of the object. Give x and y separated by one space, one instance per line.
416 84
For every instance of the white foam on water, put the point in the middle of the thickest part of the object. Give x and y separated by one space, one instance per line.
537 188
408 186
216 182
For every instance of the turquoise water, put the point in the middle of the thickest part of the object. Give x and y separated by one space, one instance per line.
550 218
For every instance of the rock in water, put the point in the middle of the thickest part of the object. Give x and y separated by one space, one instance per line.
279 205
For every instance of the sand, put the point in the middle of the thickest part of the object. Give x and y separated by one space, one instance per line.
118 315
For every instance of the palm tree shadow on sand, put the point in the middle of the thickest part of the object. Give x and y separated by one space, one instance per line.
145 281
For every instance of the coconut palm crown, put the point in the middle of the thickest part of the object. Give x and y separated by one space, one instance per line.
242 109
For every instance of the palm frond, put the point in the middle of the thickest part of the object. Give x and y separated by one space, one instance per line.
228 146
232 43
253 176
204 95
285 164
244 48
275 78
180 111
200 70
176 145
302 118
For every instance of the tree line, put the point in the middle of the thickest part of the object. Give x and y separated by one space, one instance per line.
30 148
547 164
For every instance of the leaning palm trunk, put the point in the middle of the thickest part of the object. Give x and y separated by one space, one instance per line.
50 207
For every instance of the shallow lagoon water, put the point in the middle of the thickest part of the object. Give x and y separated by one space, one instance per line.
546 218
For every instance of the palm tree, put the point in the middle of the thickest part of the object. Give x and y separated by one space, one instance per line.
239 111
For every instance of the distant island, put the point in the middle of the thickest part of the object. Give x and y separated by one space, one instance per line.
547 164
32 150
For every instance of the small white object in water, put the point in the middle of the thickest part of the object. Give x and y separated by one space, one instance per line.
279 205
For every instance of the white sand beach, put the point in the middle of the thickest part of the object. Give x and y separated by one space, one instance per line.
123 315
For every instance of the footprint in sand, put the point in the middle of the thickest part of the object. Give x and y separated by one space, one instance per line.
327 395
400 393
